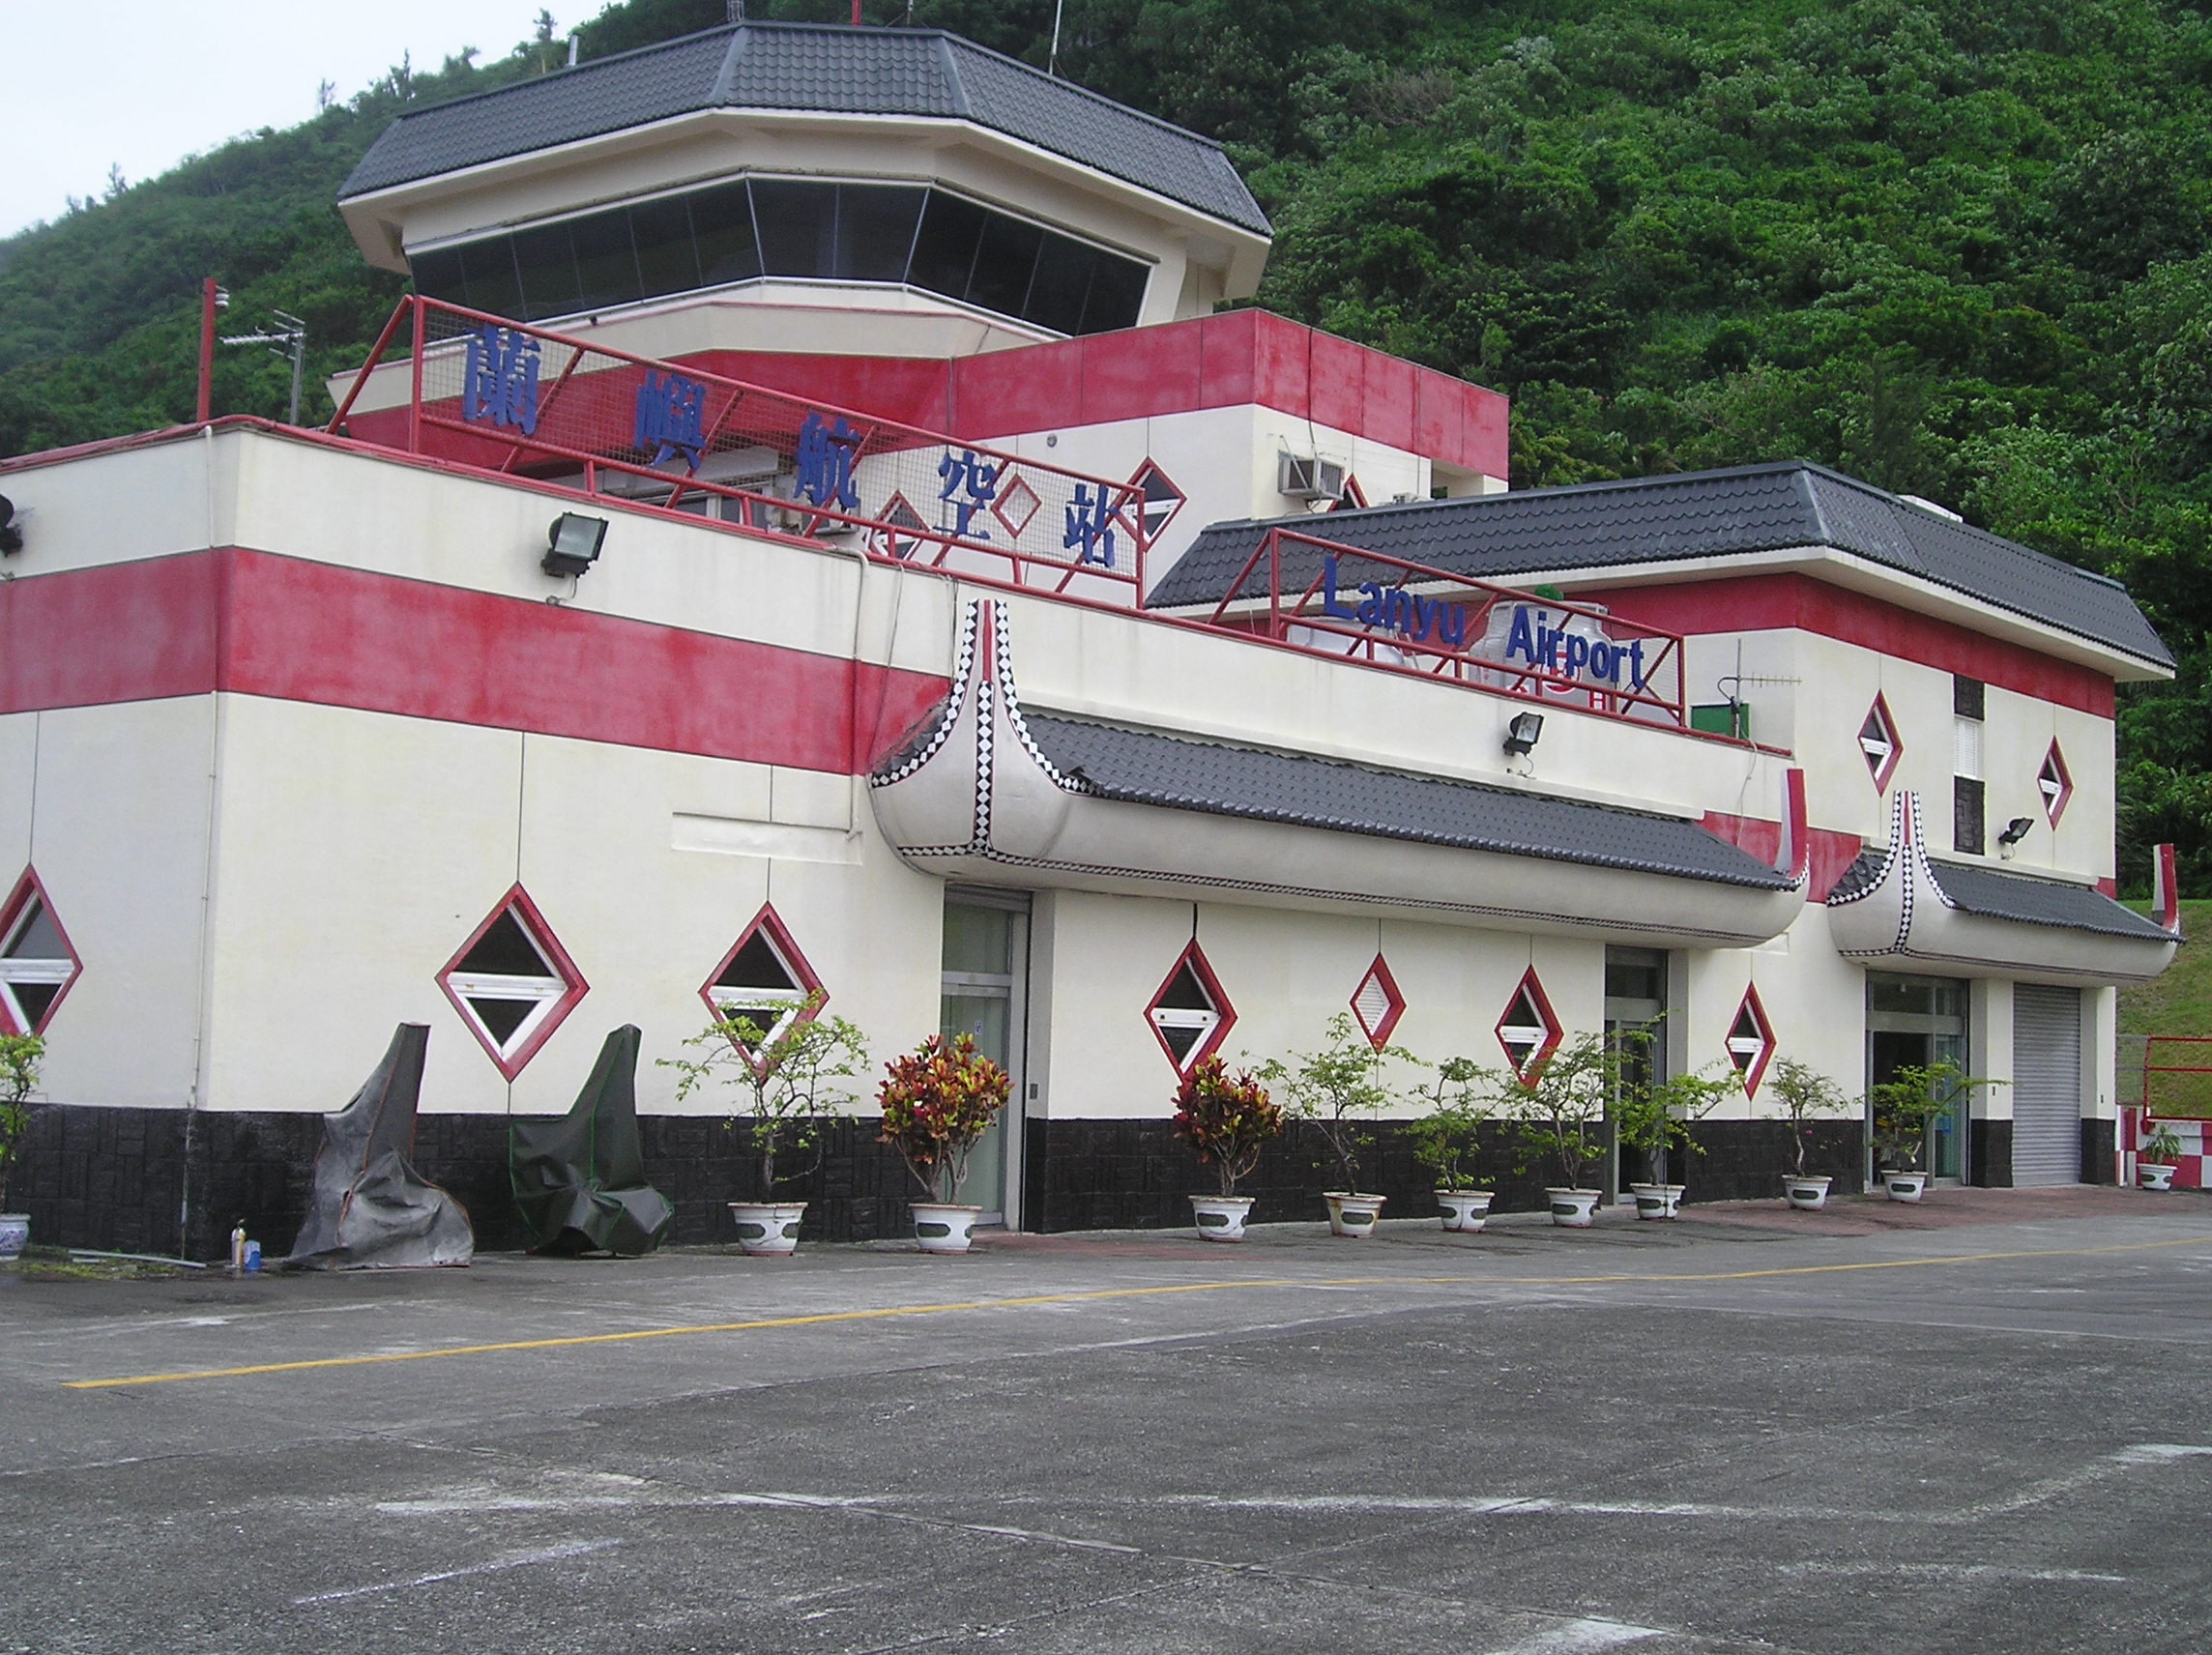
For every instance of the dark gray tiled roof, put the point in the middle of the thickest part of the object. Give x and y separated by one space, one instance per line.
1693 515
2034 901
2025 898
811 66
1148 767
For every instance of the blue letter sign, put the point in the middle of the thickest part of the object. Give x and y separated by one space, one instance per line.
670 414
499 379
824 462
1090 529
970 485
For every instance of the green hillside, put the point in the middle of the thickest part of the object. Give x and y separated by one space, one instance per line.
1959 248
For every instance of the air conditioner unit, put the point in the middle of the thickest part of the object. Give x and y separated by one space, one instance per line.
1307 478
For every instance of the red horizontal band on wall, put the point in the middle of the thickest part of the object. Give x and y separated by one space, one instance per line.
1828 852
292 630
1753 602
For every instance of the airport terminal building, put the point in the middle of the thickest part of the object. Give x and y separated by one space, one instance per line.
823 526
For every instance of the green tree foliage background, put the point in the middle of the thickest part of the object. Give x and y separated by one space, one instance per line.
1959 248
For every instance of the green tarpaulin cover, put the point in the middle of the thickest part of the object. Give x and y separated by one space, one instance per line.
580 1178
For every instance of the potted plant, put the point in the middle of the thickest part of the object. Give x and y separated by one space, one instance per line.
1805 1094
787 1079
19 1055
1653 1118
2155 1158
1227 1123
1334 1090
938 1101
1446 1141
1558 1115
1902 1108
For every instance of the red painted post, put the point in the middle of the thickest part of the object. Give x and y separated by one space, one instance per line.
207 351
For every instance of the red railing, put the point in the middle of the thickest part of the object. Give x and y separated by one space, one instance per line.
1431 624
509 397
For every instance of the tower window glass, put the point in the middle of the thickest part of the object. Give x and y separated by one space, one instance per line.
800 228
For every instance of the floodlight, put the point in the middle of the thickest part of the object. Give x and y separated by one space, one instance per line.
11 536
2016 830
1522 732
572 544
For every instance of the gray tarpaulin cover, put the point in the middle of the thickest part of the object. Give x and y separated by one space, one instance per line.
580 1178
370 1208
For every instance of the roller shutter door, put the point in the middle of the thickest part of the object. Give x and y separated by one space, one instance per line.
2046 1085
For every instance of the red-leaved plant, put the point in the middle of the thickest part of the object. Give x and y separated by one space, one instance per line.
938 1101
1227 1121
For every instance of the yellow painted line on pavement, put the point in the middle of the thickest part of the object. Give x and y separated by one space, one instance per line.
883 1312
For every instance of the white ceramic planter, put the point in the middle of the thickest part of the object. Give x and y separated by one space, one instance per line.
767 1229
1572 1208
15 1235
1806 1194
1220 1217
1905 1186
1464 1210
942 1228
2149 1175
1351 1214
1657 1200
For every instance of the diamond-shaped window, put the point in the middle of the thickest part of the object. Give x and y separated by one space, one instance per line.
2054 783
1353 498
765 980
899 514
1190 1014
1377 1004
37 964
1529 1030
1879 743
512 982
1162 499
1750 1041
1017 503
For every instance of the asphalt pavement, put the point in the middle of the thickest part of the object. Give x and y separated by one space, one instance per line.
1981 1427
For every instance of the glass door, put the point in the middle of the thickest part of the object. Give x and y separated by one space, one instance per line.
1920 1021
980 995
1634 1001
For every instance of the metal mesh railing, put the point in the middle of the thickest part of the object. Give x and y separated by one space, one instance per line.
520 399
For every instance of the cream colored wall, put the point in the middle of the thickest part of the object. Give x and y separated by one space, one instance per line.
110 806
1829 688
361 849
1285 974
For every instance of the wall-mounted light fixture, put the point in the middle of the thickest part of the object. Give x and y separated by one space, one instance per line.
1522 732
572 544
11 536
2014 832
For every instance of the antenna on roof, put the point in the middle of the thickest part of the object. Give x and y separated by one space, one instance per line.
1051 58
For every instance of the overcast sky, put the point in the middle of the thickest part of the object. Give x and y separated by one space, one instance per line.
141 84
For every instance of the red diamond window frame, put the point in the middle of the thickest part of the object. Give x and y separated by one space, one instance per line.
789 955
1225 1013
28 889
1752 1070
1886 768
2053 763
1378 1032
1145 529
511 1064
1004 495
1534 986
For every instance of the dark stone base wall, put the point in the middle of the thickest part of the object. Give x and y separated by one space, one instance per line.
1988 1154
2100 1147
116 1178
